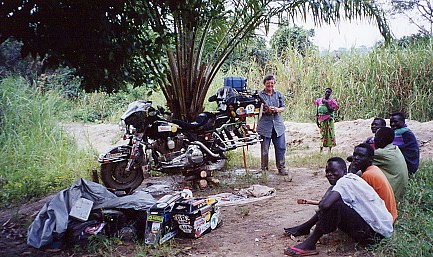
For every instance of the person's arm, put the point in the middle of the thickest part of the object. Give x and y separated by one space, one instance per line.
326 103
281 103
279 109
409 141
329 198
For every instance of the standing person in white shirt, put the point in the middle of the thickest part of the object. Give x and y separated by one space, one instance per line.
349 204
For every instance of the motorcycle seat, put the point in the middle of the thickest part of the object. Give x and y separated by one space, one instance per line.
200 120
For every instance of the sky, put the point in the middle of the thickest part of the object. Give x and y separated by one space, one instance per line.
357 33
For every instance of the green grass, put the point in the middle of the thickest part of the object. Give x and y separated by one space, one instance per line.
413 235
112 247
240 156
37 157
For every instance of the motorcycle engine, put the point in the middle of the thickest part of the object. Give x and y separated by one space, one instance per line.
189 157
168 145
194 154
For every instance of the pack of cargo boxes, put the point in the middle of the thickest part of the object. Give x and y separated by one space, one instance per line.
174 215
238 83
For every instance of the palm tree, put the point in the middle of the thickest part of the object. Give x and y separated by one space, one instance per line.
199 35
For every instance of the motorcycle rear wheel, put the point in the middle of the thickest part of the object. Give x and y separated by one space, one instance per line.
114 176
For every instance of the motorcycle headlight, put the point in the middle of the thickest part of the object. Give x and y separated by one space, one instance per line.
122 125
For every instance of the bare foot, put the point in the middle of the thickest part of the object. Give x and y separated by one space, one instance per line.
297 231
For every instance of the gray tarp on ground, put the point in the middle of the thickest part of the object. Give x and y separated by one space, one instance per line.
53 218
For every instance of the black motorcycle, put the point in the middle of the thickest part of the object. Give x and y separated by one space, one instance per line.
158 142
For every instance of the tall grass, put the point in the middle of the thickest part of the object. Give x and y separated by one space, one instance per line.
36 156
364 84
100 107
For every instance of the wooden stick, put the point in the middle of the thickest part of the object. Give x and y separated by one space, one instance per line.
304 201
244 157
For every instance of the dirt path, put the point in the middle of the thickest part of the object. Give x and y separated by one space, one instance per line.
254 229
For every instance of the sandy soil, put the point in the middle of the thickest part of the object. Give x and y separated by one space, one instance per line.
254 229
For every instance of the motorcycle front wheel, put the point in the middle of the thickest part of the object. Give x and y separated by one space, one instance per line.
115 176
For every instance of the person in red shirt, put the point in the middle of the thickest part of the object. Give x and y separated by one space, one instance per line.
363 156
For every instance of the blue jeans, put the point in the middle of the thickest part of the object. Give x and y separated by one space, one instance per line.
280 151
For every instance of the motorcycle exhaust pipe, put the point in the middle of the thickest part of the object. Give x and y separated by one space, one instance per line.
205 148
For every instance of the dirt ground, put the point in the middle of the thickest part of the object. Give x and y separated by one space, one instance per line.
254 229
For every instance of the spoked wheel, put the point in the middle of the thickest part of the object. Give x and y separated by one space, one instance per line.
114 175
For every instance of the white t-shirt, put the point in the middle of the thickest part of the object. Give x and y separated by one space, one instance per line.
361 197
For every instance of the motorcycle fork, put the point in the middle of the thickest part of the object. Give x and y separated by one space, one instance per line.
135 153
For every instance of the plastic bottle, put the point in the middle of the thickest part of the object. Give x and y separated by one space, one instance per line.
186 193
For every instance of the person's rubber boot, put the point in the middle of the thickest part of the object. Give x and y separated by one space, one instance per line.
289 175
265 163
286 172
283 171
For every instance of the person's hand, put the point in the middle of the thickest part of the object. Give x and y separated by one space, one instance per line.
270 109
273 109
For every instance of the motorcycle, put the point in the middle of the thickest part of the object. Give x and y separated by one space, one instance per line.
157 142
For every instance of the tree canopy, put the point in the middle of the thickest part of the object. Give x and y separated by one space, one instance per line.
225 24
424 8
294 37
100 39
181 44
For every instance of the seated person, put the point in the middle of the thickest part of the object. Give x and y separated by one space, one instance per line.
375 125
391 161
406 141
363 156
350 205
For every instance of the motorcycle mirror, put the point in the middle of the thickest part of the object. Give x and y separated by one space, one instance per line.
122 124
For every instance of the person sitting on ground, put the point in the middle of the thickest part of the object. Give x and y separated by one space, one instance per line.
406 141
375 125
390 160
363 156
350 205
